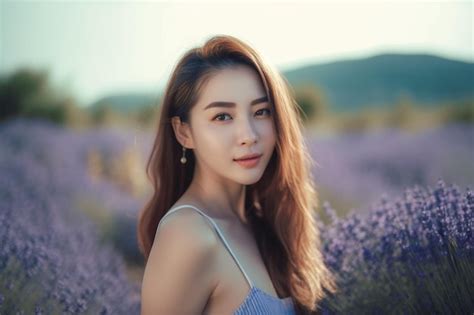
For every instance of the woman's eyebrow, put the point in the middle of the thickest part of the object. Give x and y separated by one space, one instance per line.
231 104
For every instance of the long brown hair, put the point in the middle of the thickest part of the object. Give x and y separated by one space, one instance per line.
280 207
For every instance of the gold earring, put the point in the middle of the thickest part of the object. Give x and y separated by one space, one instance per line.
183 158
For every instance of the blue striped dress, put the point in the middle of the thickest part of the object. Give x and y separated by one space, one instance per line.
257 301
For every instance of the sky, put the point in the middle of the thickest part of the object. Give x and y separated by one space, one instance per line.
97 48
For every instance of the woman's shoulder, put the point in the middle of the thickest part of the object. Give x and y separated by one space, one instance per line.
186 223
180 265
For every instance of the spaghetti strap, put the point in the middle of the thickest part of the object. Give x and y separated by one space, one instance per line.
218 232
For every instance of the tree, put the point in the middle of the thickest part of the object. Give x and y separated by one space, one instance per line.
311 101
28 93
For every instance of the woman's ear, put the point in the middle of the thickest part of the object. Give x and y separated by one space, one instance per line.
182 132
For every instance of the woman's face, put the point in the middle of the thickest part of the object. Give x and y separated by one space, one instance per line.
233 118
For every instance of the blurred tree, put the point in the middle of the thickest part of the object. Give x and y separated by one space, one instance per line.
147 115
311 101
27 92
18 88
459 112
105 115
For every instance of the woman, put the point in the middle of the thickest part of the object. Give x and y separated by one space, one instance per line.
221 234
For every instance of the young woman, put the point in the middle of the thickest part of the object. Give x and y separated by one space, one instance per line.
230 226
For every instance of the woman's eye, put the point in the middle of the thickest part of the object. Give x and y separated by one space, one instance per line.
268 111
220 115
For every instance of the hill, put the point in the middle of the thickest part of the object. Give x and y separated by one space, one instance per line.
380 80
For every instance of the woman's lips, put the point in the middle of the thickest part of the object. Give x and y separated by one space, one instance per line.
249 163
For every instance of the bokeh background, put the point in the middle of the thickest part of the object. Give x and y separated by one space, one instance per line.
386 94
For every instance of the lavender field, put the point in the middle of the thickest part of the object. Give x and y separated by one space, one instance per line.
355 170
408 255
53 254
396 219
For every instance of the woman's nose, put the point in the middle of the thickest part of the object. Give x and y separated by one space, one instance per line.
248 134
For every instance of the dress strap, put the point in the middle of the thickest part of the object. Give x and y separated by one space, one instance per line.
218 232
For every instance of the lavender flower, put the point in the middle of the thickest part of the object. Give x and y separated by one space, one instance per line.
51 257
414 254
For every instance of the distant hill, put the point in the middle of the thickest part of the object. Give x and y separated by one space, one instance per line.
379 81
350 85
127 102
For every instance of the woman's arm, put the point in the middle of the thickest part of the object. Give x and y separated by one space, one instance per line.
178 276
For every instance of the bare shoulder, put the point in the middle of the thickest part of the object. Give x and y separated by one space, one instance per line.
187 224
179 274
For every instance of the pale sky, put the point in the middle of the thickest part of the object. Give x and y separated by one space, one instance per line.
97 48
